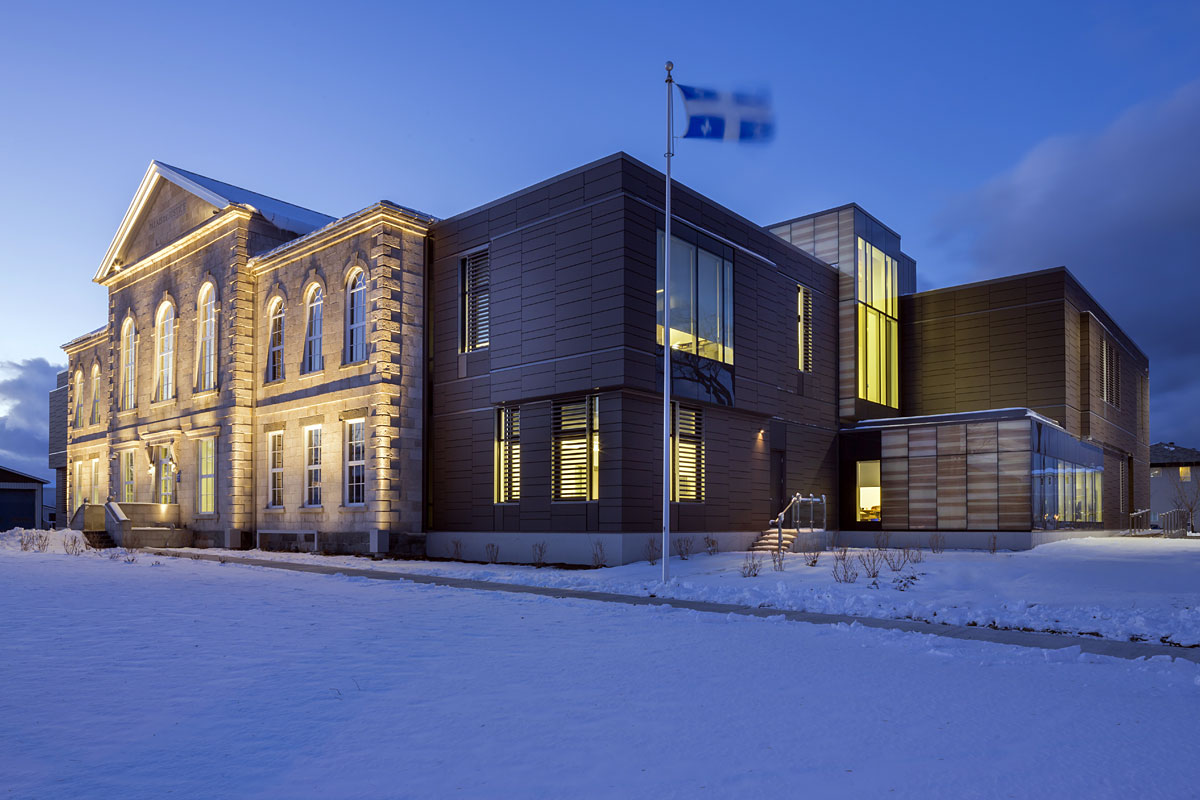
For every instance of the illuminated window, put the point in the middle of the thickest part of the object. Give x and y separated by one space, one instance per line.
207 470
95 418
508 454
164 338
206 339
275 469
687 454
1185 474
878 326
474 300
868 493
275 343
313 359
127 477
128 366
804 329
575 450
312 466
701 301
1110 367
78 384
95 485
356 463
166 475
77 488
356 319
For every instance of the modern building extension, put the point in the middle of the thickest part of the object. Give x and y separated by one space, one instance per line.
390 382
1174 485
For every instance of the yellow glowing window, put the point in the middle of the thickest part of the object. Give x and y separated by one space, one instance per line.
804 329
1185 474
701 300
878 327
687 455
508 454
576 444
868 492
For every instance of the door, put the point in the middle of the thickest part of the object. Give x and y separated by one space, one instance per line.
779 491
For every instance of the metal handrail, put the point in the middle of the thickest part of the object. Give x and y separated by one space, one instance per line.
1139 520
794 506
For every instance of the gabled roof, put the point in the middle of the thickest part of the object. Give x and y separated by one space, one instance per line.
1166 453
284 216
10 471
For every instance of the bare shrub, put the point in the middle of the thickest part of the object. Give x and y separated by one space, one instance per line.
41 541
598 557
131 556
653 550
751 565
115 555
777 560
26 540
992 544
871 561
895 559
883 540
937 543
222 559
844 570
493 552
684 546
539 554
710 545
811 557
902 583
72 545
456 546
914 555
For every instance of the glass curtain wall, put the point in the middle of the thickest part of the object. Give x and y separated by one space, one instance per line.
1068 481
877 293
701 301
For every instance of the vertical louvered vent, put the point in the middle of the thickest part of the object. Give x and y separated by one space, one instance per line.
1111 368
688 455
476 290
804 328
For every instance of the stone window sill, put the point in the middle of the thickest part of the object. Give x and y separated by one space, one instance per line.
201 394
311 509
274 510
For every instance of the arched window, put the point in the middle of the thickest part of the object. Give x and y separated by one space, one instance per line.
356 319
78 398
164 337
206 339
95 418
275 342
312 332
128 366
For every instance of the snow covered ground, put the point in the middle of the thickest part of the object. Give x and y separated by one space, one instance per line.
173 677
1119 588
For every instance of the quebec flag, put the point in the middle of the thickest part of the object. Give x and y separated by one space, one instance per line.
727 116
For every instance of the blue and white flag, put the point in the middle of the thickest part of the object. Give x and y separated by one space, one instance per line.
728 116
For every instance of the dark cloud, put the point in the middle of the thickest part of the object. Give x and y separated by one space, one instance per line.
24 414
1120 209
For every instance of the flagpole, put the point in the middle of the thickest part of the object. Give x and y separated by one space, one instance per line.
666 516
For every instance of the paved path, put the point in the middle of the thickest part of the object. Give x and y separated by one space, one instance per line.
1047 641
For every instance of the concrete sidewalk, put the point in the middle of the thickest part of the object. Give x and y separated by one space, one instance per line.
1045 641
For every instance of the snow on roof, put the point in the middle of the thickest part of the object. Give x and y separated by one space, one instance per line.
1162 453
285 216
84 337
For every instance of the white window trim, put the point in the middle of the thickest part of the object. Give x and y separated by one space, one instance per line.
272 470
275 367
128 473
164 361
312 467
349 463
314 331
128 366
353 325
202 476
206 320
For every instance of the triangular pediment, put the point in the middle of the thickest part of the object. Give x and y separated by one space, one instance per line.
171 202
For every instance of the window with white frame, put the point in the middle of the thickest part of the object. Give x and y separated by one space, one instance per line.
165 469
164 338
77 488
95 486
313 360
475 300
356 463
206 461
127 477
128 366
95 417
78 384
275 342
275 469
356 319
312 466
206 339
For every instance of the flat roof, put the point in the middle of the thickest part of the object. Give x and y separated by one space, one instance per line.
843 207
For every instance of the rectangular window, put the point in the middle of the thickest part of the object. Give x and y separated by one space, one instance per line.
77 489
1185 474
508 454
804 329
474 300
312 466
687 455
1110 359
166 475
575 449
275 469
701 300
356 463
868 491
127 477
206 460
95 485
878 326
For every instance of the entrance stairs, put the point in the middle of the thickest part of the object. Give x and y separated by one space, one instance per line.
770 538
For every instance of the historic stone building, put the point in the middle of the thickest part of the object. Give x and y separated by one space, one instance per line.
387 382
